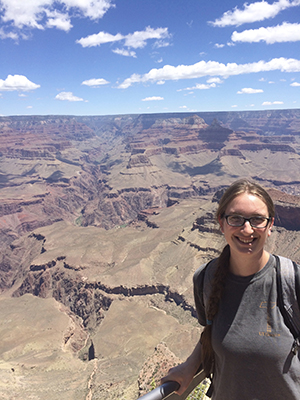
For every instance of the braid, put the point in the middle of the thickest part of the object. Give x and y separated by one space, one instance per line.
218 284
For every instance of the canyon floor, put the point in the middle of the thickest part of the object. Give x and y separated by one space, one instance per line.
104 221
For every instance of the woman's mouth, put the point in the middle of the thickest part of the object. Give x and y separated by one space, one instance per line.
245 241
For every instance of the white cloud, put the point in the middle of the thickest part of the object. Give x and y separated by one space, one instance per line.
249 91
214 80
199 86
40 14
58 20
17 82
273 34
154 98
269 103
295 84
219 46
162 43
68 96
95 82
136 40
253 12
99 38
211 68
124 52
8 35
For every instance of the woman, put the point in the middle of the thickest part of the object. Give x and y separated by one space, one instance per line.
245 342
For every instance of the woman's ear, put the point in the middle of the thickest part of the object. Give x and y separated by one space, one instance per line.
221 223
270 226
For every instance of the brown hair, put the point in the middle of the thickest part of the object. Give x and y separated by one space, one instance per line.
218 282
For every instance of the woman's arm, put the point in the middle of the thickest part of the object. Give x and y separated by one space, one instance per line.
184 373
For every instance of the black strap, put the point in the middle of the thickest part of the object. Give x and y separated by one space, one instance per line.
285 314
297 282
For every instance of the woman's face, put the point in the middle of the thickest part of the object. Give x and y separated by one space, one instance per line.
246 240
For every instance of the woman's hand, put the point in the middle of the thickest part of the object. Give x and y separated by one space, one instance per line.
183 374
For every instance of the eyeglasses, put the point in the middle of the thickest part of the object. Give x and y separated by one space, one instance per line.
255 222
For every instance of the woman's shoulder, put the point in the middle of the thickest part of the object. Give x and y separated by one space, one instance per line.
207 269
287 265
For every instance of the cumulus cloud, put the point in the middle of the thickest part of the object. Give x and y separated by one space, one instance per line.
135 40
249 91
139 39
214 80
40 14
275 34
269 103
199 86
67 96
211 68
153 98
295 84
8 35
99 38
95 82
219 46
17 82
253 12
125 53
58 20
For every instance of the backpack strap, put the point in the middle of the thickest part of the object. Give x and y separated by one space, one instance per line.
288 284
202 286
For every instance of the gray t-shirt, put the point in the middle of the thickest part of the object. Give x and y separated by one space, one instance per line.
252 344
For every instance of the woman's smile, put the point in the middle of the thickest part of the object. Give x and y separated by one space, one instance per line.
245 240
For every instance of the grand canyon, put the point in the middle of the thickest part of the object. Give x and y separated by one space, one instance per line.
104 220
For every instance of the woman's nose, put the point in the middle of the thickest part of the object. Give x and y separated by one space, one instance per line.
247 227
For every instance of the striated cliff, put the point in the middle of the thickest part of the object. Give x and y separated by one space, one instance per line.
104 220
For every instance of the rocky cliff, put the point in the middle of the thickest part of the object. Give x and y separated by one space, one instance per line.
104 220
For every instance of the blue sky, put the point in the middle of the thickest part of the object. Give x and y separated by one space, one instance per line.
99 57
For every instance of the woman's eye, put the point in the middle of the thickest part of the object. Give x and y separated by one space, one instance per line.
257 220
236 219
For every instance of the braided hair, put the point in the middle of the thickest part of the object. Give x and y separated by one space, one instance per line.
223 264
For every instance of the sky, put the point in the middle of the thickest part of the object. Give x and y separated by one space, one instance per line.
108 57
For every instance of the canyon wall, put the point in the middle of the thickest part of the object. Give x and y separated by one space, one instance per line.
103 222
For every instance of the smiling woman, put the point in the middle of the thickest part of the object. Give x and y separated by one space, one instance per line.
246 343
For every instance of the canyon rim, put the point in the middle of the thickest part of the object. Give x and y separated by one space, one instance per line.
104 220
